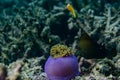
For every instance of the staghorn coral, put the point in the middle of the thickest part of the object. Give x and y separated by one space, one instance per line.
32 68
20 34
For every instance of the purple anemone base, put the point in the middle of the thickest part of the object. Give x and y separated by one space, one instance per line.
63 68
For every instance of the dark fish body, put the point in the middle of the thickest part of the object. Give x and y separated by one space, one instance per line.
89 48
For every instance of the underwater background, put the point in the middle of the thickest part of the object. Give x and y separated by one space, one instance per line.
29 28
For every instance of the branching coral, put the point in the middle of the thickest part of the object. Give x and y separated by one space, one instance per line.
20 33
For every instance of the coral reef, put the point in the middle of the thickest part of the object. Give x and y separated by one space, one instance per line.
32 68
29 28
14 70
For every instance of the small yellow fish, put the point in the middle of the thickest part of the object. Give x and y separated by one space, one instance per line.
71 9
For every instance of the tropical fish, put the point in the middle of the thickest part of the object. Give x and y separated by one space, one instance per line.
71 9
89 48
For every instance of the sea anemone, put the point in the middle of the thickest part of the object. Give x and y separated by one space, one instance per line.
61 64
